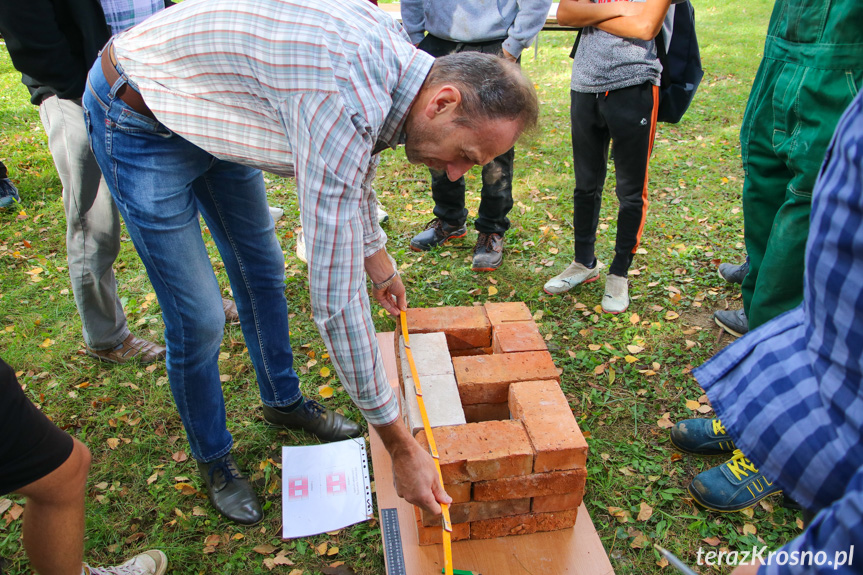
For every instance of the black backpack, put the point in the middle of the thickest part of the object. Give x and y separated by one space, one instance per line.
680 59
681 63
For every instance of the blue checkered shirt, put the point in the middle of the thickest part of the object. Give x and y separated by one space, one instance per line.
123 14
790 391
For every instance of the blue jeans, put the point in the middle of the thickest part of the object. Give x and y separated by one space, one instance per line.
160 183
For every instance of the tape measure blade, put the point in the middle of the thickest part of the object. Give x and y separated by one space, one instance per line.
392 534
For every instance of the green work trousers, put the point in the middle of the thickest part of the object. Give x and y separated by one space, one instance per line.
812 69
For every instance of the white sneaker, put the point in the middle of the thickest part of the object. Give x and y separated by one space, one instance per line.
277 213
301 247
616 298
382 215
572 276
152 562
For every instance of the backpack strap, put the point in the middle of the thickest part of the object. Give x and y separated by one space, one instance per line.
575 44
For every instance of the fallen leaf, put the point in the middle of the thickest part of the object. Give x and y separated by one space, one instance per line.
634 319
332 551
152 479
199 511
712 541
238 536
321 549
633 349
639 542
492 290
264 549
665 421
749 529
325 372
600 368
5 504
179 456
766 505
326 391
594 347
704 409
47 343
296 572
630 359
644 511
663 562
113 442
670 315
692 404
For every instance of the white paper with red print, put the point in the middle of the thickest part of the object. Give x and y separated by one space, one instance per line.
324 487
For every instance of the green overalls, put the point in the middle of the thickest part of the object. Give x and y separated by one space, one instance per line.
812 69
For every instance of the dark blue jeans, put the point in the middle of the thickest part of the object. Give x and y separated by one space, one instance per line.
160 183
496 195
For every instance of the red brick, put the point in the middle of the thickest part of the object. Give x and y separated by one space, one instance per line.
522 524
557 502
481 451
479 510
517 336
486 378
486 412
549 422
465 327
460 492
434 535
534 485
504 312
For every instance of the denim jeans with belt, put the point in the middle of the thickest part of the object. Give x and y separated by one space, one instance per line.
161 183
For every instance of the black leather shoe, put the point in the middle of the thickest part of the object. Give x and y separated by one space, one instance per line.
488 252
313 417
437 232
734 273
733 321
230 492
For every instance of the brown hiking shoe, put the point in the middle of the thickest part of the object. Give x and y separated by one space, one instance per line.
436 232
132 349
488 252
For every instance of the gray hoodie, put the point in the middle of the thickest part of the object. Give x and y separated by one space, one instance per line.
517 22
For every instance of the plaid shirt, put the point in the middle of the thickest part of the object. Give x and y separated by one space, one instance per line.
790 391
315 85
123 14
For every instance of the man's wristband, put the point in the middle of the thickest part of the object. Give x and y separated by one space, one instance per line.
387 282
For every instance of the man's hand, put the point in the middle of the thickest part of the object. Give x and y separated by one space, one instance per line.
414 473
392 298
380 268
508 56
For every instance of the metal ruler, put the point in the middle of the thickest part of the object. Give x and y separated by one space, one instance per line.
393 552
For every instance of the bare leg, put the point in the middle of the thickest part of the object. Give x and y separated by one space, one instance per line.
54 516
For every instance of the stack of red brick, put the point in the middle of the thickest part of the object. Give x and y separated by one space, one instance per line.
511 453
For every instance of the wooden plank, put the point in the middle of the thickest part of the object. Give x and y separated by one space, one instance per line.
576 551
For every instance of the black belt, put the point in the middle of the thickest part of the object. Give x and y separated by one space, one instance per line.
126 93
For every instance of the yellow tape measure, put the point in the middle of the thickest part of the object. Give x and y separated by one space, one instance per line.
446 524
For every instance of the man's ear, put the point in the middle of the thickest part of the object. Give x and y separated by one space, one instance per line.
443 102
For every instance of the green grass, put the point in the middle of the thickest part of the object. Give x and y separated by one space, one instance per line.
694 221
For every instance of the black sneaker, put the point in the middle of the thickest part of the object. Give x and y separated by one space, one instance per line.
488 252
313 417
734 274
230 491
733 321
437 232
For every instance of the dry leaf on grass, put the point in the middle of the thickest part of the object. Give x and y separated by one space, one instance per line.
645 511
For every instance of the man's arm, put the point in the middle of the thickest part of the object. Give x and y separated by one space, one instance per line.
528 22
581 13
414 19
644 26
